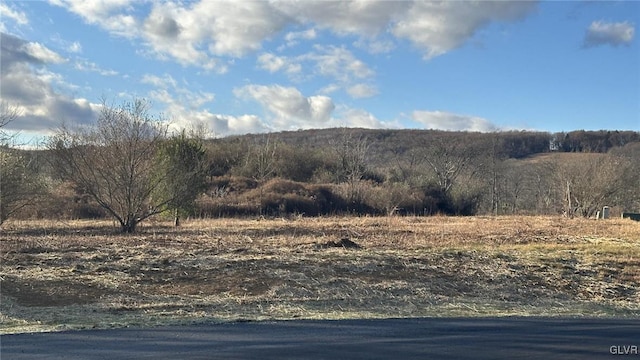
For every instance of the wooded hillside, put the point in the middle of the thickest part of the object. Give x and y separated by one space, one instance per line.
421 172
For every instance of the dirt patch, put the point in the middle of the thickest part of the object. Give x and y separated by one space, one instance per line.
344 243
51 292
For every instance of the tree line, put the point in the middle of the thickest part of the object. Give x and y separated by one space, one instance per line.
130 166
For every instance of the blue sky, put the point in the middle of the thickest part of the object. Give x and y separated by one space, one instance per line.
255 66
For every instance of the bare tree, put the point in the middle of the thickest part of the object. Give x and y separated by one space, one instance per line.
8 114
629 196
589 181
20 185
495 168
351 167
448 159
13 196
263 159
516 183
261 162
407 168
115 161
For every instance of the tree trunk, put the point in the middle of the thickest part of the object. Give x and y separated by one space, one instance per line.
569 205
176 221
129 226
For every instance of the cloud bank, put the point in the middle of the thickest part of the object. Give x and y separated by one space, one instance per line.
200 33
28 86
441 120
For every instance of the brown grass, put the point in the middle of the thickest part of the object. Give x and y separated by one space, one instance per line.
84 274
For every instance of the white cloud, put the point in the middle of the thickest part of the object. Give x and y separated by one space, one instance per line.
359 91
331 88
375 45
199 33
338 62
271 63
84 65
75 47
274 63
68 46
169 92
162 82
167 39
243 124
333 62
437 27
42 53
288 107
614 34
185 108
441 120
359 17
293 37
16 15
238 27
106 13
192 34
361 119
181 117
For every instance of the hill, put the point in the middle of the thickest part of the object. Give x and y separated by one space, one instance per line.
387 144
429 171
364 171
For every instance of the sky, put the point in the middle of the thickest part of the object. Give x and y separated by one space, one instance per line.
240 67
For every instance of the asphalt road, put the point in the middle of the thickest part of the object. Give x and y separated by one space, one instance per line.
470 338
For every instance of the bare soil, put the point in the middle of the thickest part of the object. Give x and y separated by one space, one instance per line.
82 274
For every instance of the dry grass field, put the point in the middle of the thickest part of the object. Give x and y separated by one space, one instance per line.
82 274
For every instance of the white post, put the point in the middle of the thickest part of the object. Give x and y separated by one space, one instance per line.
605 212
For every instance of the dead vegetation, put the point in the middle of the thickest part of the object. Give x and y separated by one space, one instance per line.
85 274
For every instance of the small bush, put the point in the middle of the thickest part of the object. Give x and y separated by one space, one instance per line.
373 176
394 199
298 164
281 197
207 207
328 200
281 205
64 202
462 202
465 201
435 201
